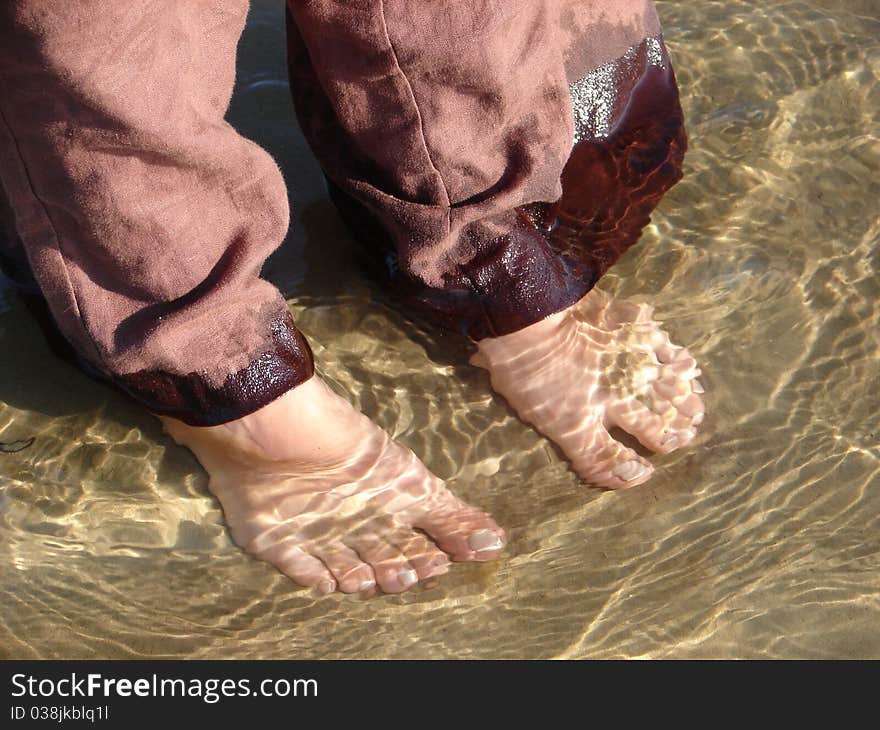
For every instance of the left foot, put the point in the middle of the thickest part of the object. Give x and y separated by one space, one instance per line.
312 486
600 363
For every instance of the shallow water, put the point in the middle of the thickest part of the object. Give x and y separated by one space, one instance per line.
761 540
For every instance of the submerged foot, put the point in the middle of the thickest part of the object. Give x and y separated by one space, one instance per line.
600 363
312 486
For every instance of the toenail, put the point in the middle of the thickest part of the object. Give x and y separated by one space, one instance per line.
367 585
698 419
671 442
407 576
630 470
697 386
326 586
483 540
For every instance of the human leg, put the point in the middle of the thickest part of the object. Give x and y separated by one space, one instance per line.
447 132
603 363
145 220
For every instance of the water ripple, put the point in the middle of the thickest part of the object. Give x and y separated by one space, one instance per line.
761 540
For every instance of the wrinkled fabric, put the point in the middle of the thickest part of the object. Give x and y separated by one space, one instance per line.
144 215
446 130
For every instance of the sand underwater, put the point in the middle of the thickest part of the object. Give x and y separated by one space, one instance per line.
761 540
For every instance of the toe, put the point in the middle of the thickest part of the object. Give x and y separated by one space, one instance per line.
640 421
678 387
665 433
425 557
393 571
675 439
670 388
682 396
608 463
295 563
664 350
681 410
351 573
682 370
691 405
665 353
683 355
461 531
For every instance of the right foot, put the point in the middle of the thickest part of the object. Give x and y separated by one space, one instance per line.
601 363
312 486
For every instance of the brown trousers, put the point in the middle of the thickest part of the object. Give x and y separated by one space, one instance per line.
502 153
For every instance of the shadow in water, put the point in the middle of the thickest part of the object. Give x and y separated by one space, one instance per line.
340 268
34 377
60 414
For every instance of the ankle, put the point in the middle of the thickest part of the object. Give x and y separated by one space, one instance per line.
523 348
308 430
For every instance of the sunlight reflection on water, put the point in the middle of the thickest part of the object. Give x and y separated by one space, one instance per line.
760 540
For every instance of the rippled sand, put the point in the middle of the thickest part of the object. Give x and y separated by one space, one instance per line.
762 540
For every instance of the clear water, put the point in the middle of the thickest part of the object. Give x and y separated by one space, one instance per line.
762 540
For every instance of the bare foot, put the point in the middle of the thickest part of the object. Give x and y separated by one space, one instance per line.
600 363
312 486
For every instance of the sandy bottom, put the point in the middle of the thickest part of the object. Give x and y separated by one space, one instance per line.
760 540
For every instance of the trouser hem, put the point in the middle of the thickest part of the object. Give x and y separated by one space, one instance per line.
192 399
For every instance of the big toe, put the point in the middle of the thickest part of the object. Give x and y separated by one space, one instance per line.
608 463
461 531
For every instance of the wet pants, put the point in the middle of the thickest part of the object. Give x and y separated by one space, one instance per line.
496 156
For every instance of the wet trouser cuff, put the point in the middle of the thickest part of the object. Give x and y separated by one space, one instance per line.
628 151
193 400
